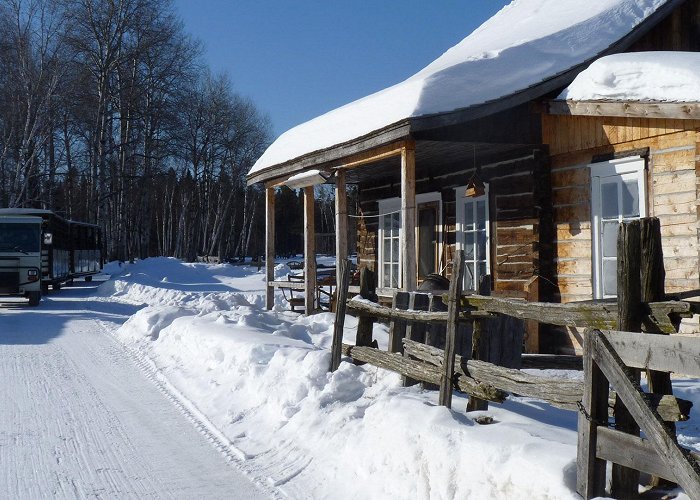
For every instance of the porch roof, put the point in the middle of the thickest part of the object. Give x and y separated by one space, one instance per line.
527 50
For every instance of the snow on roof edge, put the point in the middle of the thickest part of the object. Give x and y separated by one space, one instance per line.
460 81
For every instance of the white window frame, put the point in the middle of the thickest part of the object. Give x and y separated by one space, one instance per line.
461 217
387 206
629 165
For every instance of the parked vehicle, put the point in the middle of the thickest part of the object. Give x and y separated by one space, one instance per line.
67 250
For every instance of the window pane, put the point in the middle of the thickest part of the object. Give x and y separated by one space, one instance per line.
395 275
469 245
481 245
610 229
482 272
610 277
387 275
386 250
386 224
396 220
481 214
608 192
630 198
469 276
395 250
469 215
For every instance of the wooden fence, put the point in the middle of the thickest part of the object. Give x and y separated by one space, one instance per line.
614 356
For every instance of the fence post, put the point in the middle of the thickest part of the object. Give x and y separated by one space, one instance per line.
653 276
454 296
340 307
364 322
625 481
590 471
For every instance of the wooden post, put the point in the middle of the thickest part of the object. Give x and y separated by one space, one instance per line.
454 296
625 481
366 323
309 252
476 404
653 276
340 308
269 247
341 225
408 218
590 471
532 327
397 328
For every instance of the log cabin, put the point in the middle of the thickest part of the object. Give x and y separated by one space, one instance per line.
476 151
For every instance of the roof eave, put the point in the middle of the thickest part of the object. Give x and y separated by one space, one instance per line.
334 154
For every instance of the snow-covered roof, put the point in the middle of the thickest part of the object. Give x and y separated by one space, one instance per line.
639 76
525 43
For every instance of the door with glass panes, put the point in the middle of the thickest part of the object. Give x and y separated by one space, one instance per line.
618 194
473 236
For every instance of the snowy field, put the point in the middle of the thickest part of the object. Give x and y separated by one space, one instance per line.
260 379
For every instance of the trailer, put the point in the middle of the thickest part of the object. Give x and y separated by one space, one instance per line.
69 249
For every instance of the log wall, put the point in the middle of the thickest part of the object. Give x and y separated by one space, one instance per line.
575 142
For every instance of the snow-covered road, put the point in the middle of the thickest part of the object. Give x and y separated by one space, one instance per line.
79 418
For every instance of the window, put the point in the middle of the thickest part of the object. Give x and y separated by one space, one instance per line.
389 243
473 236
618 194
428 221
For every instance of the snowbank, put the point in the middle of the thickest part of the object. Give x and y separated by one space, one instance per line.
639 76
525 43
261 378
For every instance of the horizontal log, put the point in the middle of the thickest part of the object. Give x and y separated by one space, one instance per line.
370 308
627 109
666 353
423 372
294 285
552 362
634 452
599 315
558 392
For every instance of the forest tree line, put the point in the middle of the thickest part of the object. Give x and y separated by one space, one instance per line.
108 114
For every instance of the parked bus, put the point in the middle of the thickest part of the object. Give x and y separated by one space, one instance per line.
20 257
68 250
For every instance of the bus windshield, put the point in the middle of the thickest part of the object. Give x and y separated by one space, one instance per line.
19 237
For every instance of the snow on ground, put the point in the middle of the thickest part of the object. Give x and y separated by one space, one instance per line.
260 377
639 76
525 43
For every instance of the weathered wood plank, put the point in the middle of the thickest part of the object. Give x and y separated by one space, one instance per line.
590 470
339 323
675 353
576 313
364 307
633 451
421 371
365 323
686 469
625 481
341 224
452 329
397 328
683 111
552 362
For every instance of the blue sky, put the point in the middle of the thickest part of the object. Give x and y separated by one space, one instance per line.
298 59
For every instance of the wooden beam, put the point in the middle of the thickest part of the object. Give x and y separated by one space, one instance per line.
341 225
309 252
269 247
337 345
408 218
448 363
373 155
627 109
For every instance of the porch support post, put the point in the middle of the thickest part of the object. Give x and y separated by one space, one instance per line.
309 252
269 247
408 217
341 225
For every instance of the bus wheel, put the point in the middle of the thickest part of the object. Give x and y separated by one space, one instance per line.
44 288
88 278
34 298
56 286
